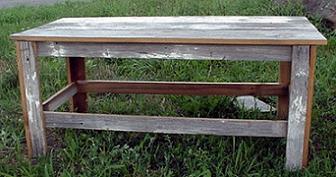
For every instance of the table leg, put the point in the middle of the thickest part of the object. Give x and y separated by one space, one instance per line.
299 108
312 62
76 71
31 99
284 78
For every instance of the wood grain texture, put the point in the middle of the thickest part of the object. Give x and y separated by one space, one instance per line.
181 88
165 51
76 71
60 97
31 99
173 125
283 101
188 30
297 107
312 62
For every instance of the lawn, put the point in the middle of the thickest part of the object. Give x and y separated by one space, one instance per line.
104 153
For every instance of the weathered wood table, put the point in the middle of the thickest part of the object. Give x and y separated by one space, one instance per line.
290 40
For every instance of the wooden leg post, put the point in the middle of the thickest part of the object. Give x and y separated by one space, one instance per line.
76 71
312 62
283 101
298 104
31 99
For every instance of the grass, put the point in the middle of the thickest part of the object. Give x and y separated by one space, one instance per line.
103 153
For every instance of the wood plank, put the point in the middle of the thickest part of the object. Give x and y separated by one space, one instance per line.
312 61
60 97
187 30
171 125
283 101
165 51
181 88
298 102
76 71
31 99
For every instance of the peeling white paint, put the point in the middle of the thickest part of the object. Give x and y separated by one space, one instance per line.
61 51
297 101
176 55
53 49
107 53
299 109
30 102
172 55
301 73
37 104
153 55
34 76
56 50
29 110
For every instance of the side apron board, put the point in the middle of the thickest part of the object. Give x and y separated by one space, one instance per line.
166 51
31 99
298 100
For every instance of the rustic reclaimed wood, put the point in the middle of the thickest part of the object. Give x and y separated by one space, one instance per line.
181 88
166 51
76 71
283 100
297 107
31 99
290 40
188 30
156 124
60 97
312 61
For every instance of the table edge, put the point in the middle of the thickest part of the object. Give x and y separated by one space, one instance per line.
172 40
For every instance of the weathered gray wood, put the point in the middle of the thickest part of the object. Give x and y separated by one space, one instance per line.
31 99
174 125
60 97
297 107
199 30
165 51
181 88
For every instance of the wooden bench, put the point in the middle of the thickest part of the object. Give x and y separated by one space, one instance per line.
290 40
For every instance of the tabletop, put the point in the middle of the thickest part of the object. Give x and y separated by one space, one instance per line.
267 30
